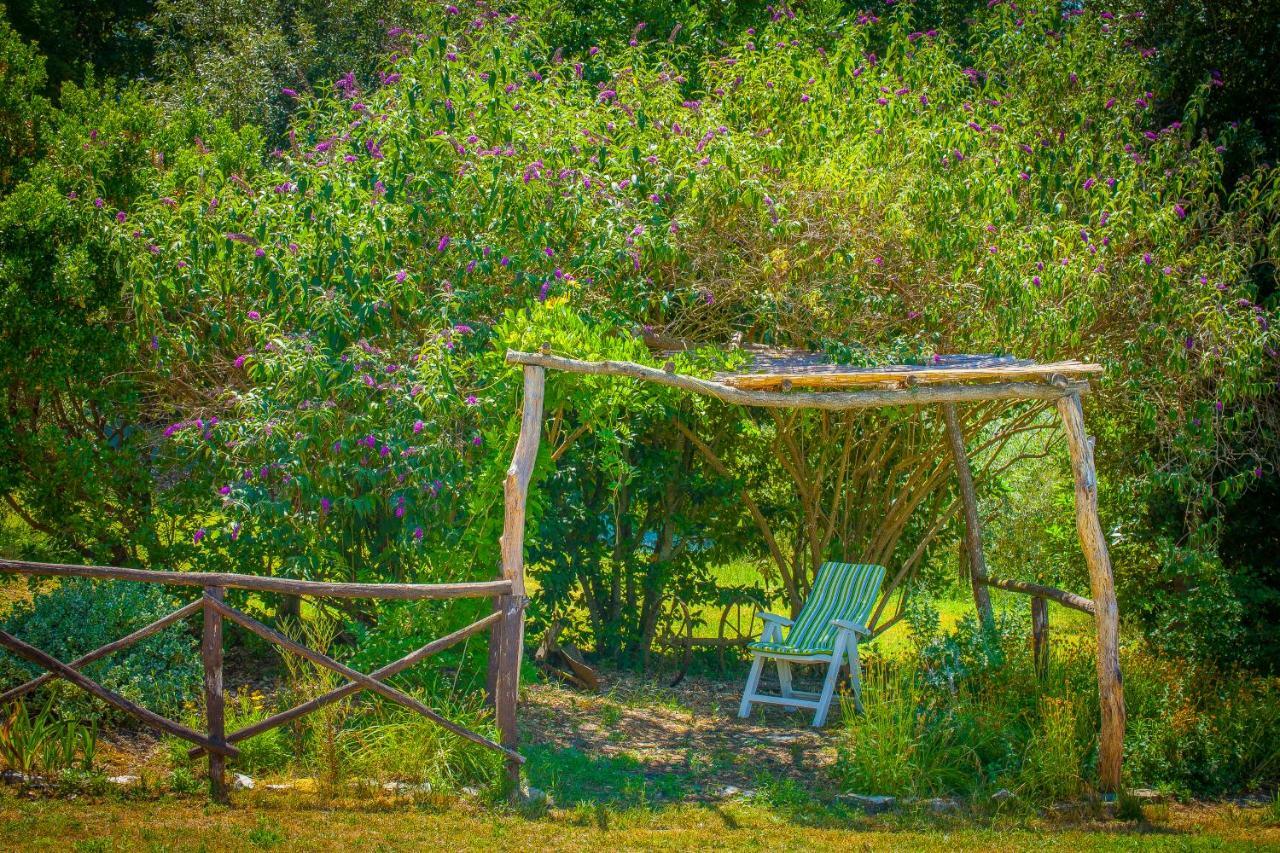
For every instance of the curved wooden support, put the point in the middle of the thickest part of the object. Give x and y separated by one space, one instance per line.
366 682
1102 583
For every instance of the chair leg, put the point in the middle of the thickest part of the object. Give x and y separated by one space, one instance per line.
784 679
855 675
829 684
753 681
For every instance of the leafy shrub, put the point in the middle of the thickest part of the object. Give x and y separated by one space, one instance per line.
1198 728
79 615
971 714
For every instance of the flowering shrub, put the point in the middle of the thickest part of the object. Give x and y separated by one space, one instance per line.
321 328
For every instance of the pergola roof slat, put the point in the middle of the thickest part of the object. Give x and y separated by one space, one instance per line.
862 398
841 376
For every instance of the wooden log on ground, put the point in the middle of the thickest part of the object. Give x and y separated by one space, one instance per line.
348 689
1102 584
828 400
1040 635
507 645
31 653
102 652
1038 590
972 522
226 580
214 702
365 681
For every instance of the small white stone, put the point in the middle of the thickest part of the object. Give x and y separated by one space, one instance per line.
1003 795
122 780
470 791
242 782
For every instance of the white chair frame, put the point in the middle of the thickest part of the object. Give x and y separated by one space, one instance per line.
845 652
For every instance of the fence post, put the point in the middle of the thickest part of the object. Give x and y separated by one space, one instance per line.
506 637
211 657
1040 635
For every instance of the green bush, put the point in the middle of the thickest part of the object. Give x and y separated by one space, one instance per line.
970 715
78 615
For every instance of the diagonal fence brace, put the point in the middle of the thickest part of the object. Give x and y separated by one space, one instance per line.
382 674
151 718
364 681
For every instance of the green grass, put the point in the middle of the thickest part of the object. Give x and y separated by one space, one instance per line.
779 818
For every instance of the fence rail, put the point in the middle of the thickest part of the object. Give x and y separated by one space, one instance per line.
216 742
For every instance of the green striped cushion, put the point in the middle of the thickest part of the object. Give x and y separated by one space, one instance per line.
841 591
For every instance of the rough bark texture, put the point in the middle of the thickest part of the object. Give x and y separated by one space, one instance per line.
227 580
1040 635
507 644
214 708
972 523
1106 613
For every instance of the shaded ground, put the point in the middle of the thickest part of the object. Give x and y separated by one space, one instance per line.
641 739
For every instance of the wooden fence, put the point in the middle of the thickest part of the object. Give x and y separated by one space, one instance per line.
506 623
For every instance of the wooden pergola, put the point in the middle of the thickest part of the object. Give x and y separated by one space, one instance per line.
795 379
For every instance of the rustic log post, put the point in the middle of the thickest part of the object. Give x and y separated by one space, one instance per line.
507 643
1102 583
1040 635
972 524
211 657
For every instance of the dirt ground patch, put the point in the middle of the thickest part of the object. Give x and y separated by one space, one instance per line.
687 740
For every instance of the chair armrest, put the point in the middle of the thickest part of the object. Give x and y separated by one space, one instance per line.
853 627
774 618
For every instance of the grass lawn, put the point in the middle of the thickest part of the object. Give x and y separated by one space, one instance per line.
288 821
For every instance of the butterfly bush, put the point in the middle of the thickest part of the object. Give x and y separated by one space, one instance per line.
322 326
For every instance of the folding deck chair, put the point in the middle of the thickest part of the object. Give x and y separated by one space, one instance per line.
825 631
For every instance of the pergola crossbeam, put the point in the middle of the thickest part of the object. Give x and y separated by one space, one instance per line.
941 392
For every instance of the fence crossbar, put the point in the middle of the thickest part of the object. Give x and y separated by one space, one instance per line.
288 586
151 718
346 690
363 681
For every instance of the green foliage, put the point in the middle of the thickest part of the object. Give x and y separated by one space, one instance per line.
77 616
235 56
393 743
321 326
45 742
22 108
400 627
972 716
78 37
